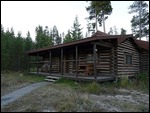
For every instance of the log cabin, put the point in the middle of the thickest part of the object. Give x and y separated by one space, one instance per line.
101 57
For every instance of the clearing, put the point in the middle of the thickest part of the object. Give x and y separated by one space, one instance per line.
81 97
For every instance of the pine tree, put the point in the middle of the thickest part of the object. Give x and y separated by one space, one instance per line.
43 37
123 31
28 42
3 49
19 47
47 37
55 35
13 50
68 37
98 10
39 36
110 31
140 21
76 30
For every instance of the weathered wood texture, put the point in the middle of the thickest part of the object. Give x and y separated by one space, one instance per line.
103 63
113 62
103 59
68 63
144 61
55 65
127 47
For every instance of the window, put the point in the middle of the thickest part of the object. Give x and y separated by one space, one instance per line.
128 58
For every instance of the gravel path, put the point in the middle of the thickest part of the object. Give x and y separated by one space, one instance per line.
6 99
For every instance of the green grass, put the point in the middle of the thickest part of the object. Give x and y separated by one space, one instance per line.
33 69
140 83
67 82
93 87
33 78
70 96
11 81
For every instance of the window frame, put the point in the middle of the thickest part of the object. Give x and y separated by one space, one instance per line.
126 60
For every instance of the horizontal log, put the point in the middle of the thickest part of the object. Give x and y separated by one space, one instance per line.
104 54
127 70
127 46
126 73
99 66
127 43
106 63
120 56
130 50
126 66
103 69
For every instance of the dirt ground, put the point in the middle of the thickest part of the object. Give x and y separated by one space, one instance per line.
61 98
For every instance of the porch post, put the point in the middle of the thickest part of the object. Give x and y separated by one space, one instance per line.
37 63
61 61
50 62
76 61
95 67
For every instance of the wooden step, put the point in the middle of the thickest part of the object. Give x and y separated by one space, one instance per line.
52 77
50 80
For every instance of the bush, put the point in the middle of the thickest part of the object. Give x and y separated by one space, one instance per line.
142 76
124 81
93 88
142 82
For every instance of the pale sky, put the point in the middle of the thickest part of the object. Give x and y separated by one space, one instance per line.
25 16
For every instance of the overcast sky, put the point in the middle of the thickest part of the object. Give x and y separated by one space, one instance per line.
25 16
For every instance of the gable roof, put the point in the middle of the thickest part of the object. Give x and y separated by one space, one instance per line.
97 36
143 44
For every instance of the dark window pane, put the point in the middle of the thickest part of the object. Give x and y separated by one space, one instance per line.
128 59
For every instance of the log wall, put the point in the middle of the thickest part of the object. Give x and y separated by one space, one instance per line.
103 64
55 65
68 63
144 61
123 69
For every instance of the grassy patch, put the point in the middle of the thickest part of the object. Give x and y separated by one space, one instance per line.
11 81
52 97
140 82
68 96
33 78
93 87
67 82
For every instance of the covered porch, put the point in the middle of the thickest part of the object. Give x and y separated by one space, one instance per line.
90 61
79 78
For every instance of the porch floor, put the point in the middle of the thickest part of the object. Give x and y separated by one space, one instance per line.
79 78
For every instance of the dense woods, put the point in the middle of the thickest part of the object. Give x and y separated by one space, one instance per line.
13 50
14 47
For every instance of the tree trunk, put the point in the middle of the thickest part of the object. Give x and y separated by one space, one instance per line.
96 24
104 24
140 20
